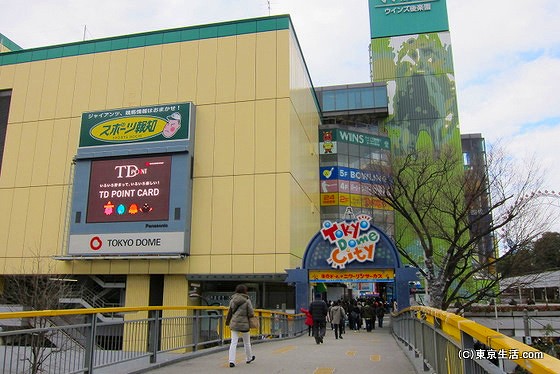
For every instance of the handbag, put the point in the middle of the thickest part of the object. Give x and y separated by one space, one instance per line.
254 322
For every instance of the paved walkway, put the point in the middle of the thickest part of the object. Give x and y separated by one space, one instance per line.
358 352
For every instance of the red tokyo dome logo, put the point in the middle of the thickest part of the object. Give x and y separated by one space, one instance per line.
95 243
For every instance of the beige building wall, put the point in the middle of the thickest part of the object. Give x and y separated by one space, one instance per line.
255 187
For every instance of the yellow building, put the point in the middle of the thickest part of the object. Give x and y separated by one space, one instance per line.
253 150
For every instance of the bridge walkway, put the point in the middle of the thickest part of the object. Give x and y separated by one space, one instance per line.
358 352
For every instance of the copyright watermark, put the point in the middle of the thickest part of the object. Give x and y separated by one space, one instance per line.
490 354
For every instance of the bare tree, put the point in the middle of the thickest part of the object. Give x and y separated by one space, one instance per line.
41 288
449 213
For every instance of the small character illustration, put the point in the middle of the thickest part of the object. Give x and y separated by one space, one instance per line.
109 208
121 209
172 126
133 209
327 141
146 208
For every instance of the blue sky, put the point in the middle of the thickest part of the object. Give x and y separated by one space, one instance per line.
506 53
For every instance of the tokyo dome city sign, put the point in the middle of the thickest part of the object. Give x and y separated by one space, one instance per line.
353 241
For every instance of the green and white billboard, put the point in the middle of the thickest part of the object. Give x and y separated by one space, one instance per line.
405 17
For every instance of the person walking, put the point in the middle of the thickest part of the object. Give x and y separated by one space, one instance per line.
380 312
337 316
308 320
369 315
240 309
319 310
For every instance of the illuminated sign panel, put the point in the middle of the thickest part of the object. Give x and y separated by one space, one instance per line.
129 190
133 125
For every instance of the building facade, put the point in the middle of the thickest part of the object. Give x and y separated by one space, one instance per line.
238 202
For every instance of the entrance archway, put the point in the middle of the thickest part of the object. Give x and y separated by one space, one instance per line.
351 250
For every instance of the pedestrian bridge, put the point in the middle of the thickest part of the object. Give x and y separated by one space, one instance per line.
195 339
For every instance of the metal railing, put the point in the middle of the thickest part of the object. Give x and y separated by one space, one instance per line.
146 336
447 343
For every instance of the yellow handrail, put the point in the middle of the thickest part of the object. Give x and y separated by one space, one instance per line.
453 325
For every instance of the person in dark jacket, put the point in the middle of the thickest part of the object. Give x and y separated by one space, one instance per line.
240 309
319 309
380 312
369 316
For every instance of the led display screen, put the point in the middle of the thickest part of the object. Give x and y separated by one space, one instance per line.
129 190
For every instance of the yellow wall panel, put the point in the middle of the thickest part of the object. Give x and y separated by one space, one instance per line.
82 85
220 264
54 216
7 74
284 202
243 264
171 57
265 263
133 77
26 154
137 290
245 65
33 224
34 91
58 156
117 76
159 267
222 215
71 147
265 213
204 141
265 136
50 89
224 135
244 138
266 65
175 290
40 166
179 266
139 267
81 267
282 263
201 224
119 267
6 197
151 78
100 267
188 71
11 154
206 77
16 236
65 91
199 264
243 214
225 70
283 60
99 82
19 93
284 146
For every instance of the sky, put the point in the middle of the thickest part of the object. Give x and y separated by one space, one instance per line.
506 53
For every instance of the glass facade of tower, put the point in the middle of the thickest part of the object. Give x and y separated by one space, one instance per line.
349 145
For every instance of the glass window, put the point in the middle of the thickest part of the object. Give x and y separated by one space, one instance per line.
342 147
341 100
354 162
5 98
367 98
343 160
353 149
365 151
328 159
380 96
328 101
